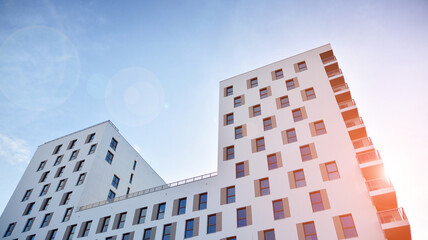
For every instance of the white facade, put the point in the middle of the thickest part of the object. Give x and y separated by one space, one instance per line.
357 193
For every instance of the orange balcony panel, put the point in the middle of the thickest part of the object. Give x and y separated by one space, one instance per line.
398 233
346 96
358 133
340 89
337 81
354 123
327 57
384 199
373 170
395 224
351 114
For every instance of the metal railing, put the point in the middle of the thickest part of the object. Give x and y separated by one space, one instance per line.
334 73
368 156
328 59
362 142
380 183
340 87
392 215
149 190
354 122
346 104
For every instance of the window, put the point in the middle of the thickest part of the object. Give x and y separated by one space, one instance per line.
166 232
90 138
92 149
297 115
142 212
45 204
74 155
67 214
348 226
278 209
316 201
212 221
240 170
86 228
272 161
121 222
309 229
31 237
260 144
105 223
231 238
241 217
230 194
27 195
253 83
147 234
79 166
109 157
269 234
113 144
111 195
332 171
51 234
257 110
237 101
65 198
115 182
28 225
44 176
41 166
81 179
44 190
131 177
58 160
239 132
203 198
59 172
302 66
230 153
284 102
126 236
264 93
229 91
306 152
320 128
290 84
46 220
128 190
310 94
161 211
29 208
70 232
57 149
9 229
135 165
229 119
181 206
264 186
61 185
72 144
188 232
291 135
279 74
299 178
267 123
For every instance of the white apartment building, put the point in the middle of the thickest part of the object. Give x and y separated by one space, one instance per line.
294 162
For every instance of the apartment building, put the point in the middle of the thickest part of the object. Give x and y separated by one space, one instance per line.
294 162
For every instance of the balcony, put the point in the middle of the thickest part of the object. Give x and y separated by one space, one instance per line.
347 104
363 144
377 184
395 224
371 164
369 156
340 88
382 193
354 122
328 60
334 73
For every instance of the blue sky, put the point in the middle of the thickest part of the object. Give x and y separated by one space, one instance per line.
153 68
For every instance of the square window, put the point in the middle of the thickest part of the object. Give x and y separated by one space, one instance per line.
92 149
279 74
229 91
81 179
74 155
240 170
27 195
9 229
59 172
264 187
299 178
67 214
237 101
264 93
272 161
72 144
45 221
45 204
44 176
267 123
65 198
230 194
203 198
44 190
290 84
297 115
241 214
61 185
316 201
111 195
147 234
320 128
181 206
161 211
109 157
188 232
254 82
348 226
41 166
28 224
302 66
212 221
57 149
332 171
90 138
29 208
278 209
305 152
310 232
126 236
113 144
257 110
284 102
115 181
78 166
291 135
238 132
58 160
230 152
229 119
260 144
310 94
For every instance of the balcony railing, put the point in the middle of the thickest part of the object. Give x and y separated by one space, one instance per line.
150 190
353 122
362 142
340 87
328 59
334 73
346 104
392 215
380 183
368 156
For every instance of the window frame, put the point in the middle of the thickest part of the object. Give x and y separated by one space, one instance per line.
228 120
317 205
232 197
279 74
189 229
114 143
109 157
309 95
211 223
204 204
302 66
291 139
309 234
238 134
161 211
299 181
320 128
257 110
297 115
238 172
230 155
264 93
351 227
290 86
305 155
262 189
181 209
254 82
228 91
267 125
282 103
237 101
332 172
260 144
272 164
277 212
241 221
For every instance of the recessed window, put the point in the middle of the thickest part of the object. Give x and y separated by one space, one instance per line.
161 211
29 208
126 236
348 226
67 214
65 198
309 229
41 166
44 176
316 201
181 206
212 222
51 234
264 93
69 232
44 190
320 128
26 195
58 160
46 220
188 231
264 187
310 94
134 165
241 169
230 153
72 144
299 178
269 234
92 149
131 177
59 172
166 232
229 119
237 101
260 144
230 194
28 224
257 110
297 115
278 209
279 74
61 185
231 238
302 66
57 149
305 152
238 132
45 204
332 171
284 102
291 135
86 226
121 222
115 181
142 212
109 157
253 83
9 229
267 123
290 84
228 91
113 144
147 234
78 166
241 214
272 161
74 155
32 237
105 223
111 195
203 198
90 138
81 179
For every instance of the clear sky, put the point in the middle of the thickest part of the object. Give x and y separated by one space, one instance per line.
153 68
